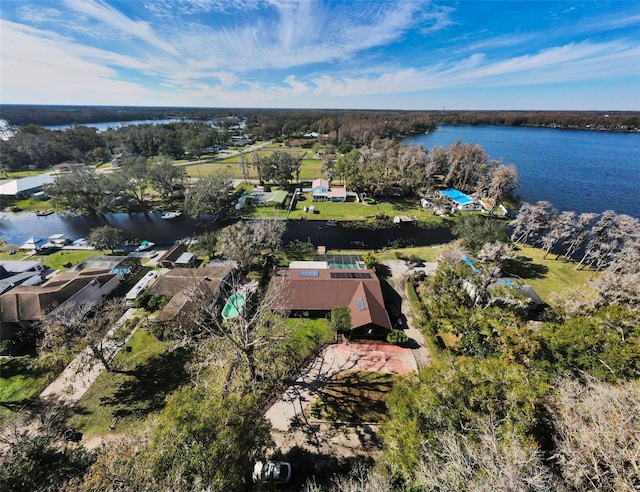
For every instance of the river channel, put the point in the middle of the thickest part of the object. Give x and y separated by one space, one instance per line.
17 228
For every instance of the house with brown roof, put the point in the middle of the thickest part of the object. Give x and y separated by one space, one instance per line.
317 291
168 260
68 166
191 289
58 295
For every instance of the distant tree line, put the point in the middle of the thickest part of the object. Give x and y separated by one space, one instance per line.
387 167
277 122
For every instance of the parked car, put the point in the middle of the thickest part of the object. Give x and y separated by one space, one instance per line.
272 472
71 434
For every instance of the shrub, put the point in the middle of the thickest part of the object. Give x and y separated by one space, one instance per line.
397 337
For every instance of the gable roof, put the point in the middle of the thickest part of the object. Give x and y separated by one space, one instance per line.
323 289
182 283
26 303
183 279
320 183
174 253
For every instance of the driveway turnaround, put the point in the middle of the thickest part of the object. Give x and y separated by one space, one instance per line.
333 359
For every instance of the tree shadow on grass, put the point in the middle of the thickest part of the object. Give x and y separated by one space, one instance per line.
352 398
523 267
146 389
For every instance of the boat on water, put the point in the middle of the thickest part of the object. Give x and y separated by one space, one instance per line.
145 245
332 222
171 215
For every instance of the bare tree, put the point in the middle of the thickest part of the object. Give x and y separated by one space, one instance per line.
502 180
244 167
578 235
532 221
84 326
495 461
258 325
608 235
598 435
467 163
495 253
558 232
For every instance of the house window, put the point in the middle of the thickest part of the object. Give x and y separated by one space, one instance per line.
361 304
308 273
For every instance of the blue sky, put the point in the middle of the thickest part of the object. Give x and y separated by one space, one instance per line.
373 54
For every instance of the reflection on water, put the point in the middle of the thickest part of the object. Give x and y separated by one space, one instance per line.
17 228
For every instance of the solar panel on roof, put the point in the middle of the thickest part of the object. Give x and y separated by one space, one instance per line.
308 273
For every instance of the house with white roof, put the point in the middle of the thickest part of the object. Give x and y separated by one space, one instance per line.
25 187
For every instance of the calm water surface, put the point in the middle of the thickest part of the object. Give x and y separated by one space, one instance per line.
17 228
581 170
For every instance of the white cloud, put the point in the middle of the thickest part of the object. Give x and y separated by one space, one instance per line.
34 71
111 17
569 63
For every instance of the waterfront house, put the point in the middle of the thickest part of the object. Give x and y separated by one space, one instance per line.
25 187
460 200
191 290
321 192
168 260
318 290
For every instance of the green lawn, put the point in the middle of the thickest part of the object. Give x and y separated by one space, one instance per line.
354 397
20 381
121 399
350 210
310 168
548 276
57 259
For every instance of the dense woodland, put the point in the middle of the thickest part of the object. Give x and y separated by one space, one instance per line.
199 129
312 119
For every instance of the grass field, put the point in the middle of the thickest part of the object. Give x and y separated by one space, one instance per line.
143 377
548 276
350 210
20 381
309 169
354 397
57 259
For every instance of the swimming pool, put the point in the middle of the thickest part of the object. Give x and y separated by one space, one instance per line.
456 195
233 306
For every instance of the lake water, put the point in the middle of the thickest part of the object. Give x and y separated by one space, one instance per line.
17 228
580 170
116 124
